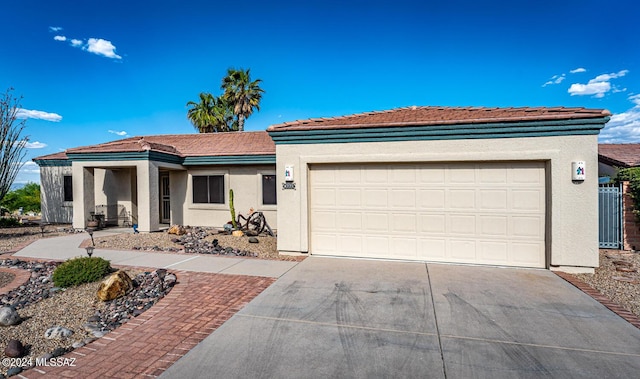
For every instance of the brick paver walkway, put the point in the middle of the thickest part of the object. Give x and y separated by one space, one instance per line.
146 346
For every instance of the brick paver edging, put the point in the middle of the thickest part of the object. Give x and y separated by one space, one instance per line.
147 345
21 277
599 297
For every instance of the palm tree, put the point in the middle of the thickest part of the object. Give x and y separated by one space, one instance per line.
212 114
244 94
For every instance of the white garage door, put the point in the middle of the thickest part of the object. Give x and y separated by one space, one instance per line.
484 213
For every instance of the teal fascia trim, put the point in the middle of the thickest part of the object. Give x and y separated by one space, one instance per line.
125 156
52 162
442 132
230 160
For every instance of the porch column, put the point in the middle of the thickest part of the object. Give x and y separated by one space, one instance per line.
148 200
83 195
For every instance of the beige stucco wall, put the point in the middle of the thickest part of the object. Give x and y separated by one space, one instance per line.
572 207
247 188
54 208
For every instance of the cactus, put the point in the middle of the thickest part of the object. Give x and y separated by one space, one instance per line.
233 210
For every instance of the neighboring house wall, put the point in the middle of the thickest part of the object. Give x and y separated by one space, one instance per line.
607 170
247 187
54 208
572 212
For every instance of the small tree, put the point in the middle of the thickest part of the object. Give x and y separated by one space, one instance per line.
27 198
12 143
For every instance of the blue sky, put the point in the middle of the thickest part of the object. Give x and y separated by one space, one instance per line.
95 71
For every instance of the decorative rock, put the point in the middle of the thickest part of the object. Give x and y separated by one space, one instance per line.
177 230
57 332
237 233
116 285
14 371
170 280
78 344
90 327
253 240
95 318
98 333
14 349
9 316
58 352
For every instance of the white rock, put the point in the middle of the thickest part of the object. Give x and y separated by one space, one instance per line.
57 332
9 316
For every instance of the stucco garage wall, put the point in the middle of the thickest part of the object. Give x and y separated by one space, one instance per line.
247 188
572 213
54 208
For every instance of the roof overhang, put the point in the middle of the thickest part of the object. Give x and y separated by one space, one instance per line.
587 126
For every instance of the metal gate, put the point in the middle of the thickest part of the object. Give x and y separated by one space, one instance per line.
610 216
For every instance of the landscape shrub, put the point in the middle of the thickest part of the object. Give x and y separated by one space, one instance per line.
9 222
82 270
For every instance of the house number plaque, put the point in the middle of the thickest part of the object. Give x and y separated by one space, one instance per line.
288 185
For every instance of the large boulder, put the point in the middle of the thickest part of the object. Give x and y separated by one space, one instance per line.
14 349
177 230
116 285
9 316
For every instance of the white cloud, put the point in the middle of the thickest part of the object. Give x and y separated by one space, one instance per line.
555 79
597 86
60 38
40 115
55 28
577 70
35 145
76 42
121 133
102 47
623 127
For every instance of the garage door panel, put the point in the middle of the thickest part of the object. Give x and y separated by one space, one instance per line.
349 197
494 225
462 224
349 221
404 223
432 224
485 213
462 199
375 198
376 222
461 250
431 199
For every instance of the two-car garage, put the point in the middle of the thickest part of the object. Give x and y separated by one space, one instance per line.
490 186
485 213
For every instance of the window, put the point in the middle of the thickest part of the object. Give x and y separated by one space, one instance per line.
269 190
208 189
68 188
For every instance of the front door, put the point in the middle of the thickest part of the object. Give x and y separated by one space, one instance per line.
165 203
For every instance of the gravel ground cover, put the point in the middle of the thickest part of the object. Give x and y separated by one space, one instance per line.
617 278
162 242
6 278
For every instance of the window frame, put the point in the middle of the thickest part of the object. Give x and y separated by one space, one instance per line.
207 173
260 191
69 186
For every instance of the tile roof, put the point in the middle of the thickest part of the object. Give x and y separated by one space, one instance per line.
185 145
414 116
55 156
620 154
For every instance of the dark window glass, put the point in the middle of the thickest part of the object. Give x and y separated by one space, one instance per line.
208 189
216 189
68 188
269 190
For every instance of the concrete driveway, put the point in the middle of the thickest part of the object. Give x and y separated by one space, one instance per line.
343 318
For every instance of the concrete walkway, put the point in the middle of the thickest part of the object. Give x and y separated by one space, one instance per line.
62 248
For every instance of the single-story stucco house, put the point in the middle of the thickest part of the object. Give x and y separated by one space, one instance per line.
614 156
468 185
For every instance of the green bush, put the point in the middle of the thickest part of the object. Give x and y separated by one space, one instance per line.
78 271
631 175
8 222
